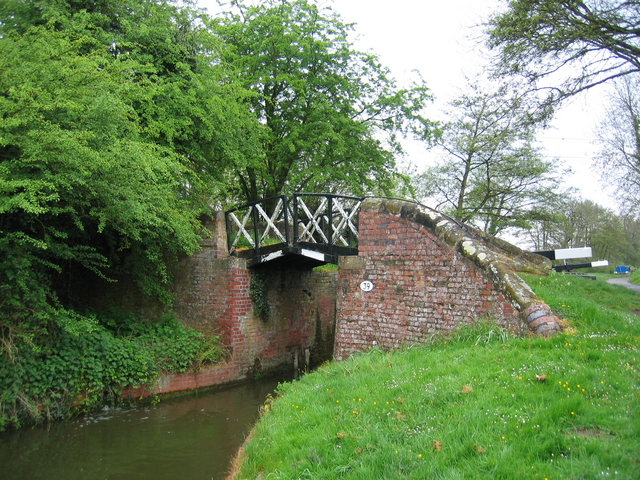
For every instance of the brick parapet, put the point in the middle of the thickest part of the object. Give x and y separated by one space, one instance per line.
423 285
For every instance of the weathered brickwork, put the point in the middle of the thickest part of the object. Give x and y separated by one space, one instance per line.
420 287
299 328
429 275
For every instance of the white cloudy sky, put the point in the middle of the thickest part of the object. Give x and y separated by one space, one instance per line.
440 39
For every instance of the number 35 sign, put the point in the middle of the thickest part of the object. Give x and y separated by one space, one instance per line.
366 286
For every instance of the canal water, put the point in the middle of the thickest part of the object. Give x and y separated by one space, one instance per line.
186 438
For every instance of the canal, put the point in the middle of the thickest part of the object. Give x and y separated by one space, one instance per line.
190 438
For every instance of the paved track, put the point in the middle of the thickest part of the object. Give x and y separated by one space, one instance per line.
624 281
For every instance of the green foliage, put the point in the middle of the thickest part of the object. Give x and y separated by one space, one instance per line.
330 114
79 362
327 267
481 404
114 134
81 186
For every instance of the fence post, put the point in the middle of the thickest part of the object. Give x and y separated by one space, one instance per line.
286 220
254 212
296 237
330 204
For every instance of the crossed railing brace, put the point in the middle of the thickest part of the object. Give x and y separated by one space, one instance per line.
317 225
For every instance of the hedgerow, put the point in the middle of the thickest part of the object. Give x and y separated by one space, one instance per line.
70 362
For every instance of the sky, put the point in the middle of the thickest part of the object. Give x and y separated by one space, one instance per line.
442 40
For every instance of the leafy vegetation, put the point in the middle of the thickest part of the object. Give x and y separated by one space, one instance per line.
481 404
490 174
83 361
332 116
258 290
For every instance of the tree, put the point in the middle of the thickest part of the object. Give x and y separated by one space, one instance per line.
118 123
80 186
194 105
491 175
573 45
619 137
331 115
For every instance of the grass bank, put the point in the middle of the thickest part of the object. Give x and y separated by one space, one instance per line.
482 404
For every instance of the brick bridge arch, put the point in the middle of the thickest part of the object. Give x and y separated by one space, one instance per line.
428 274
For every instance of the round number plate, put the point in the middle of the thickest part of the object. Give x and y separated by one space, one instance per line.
366 286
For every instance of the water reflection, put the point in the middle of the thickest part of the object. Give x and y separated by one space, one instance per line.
185 438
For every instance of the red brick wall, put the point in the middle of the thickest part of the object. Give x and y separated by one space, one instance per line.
301 317
421 287
212 295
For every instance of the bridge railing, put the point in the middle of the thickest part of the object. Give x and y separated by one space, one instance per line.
315 222
260 224
326 222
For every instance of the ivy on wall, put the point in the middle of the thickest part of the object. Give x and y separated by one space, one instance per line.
258 290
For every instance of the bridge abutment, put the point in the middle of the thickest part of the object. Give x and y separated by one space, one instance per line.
426 274
420 288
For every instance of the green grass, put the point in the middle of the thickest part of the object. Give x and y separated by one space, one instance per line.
327 267
482 404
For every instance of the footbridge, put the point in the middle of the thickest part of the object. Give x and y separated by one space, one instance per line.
310 229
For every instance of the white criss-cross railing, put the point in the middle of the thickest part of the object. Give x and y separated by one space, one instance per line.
311 222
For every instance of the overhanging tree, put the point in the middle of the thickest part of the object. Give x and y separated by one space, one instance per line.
80 186
193 104
567 46
118 121
331 115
